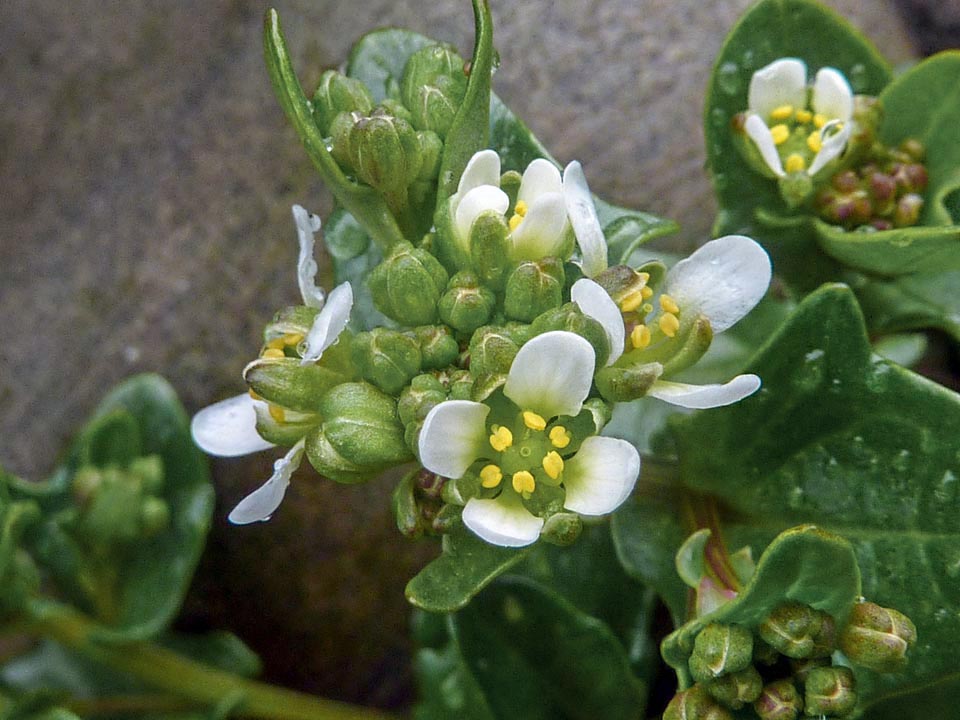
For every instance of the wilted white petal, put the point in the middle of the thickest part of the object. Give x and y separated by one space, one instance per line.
833 145
478 200
758 131
600 476
701 397
482 169
542 230
594 301
228 428
832 95
583 217
782 82
724 280
551 374
540 177
259 505
502 521
454 434
307 225
329 323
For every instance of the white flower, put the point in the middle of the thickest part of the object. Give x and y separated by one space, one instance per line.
777 106
533 443
722 281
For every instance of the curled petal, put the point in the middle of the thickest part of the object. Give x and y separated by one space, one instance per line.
541 232
228 428
502 521
329 323
478 200
540 177
454 434
782 82
583 217
551 374
259 505
482 169
833 145
758 131
832 95
600 476
594 301
724 280
307 225
702 397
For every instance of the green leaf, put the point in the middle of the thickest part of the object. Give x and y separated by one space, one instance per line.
112 439
447 687
219 649
467 565
930 300
901 251
379 57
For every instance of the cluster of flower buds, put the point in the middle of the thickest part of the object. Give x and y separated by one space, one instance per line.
788 665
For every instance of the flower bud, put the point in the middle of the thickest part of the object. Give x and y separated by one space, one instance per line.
569 317
416 502
466 304
877 638
914 149
415 402
338 93
290 321
19 581
460 385
330 463
433 87
830 691
385 152
488 247
908 210
799 631
720 650
438 347
533 288
736 689
779 700
149 470
154 516
623 384
287 383
431 153
386 358
112 513
800 669
407 285
562 529
492 349
695 704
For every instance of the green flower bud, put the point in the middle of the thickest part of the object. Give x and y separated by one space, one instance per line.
533 289
877 638
431 153
562 529
695 704
799 669
799 631
19 580
488 247
720 650
908 210
149 469
387 358
418 399
407 285
466 304
736 689
86 482
623 384
406 509
112 514
569 317
763 653
291 325
779 700
394 108
330 463
341 140
433 87
287 383
460 384
154 516
338 93
437 346
492 350
830 691
386 152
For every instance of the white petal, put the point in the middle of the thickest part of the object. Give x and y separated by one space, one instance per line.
540 177
594 302
758 131
551 374
478 200
454 434
329 323
782 82
701 397
482 169
600 476
833 145
832 95
583 216
724 280
259 505
228 428
307 225
502 521
542 231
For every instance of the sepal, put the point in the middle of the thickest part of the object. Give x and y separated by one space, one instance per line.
533 288
387 358
289 384
337 93
466 304
406 286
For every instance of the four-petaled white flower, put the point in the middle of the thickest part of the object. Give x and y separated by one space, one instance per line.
777 105
534 442
229 428
723 281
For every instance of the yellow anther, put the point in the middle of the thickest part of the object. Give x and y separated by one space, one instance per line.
491 476
515 221
640 336
292 339
277 413
523 482
782 112
254 395
780 133
501 438
553 464
804 116
669 324
277 343
814 142
272 353
533 421
632 300
559 436
521 208
647 293
819 120
795 163
668 304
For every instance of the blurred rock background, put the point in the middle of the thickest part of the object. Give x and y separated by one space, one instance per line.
146 176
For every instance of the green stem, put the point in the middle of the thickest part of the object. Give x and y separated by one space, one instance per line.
169 671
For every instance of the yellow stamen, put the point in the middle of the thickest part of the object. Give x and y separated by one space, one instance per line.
804 116
780 133
553 464
814 142
795 163
272 353
647 293
819 120
276 343
668 304
782 112
632 300
521 208
277 413
254 395
523 482
559 436
490 476
292 339
640 336
501 438
669 324
515 222
533 421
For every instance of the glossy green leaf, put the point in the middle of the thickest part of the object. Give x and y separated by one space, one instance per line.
901 251
930 300
447 687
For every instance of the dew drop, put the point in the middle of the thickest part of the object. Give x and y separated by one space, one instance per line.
718 116
858 78
901 462
946 489
795 498
728 78
748 59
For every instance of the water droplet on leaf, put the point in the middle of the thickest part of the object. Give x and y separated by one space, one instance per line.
728 78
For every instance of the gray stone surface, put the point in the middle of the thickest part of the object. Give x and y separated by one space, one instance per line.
146 175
